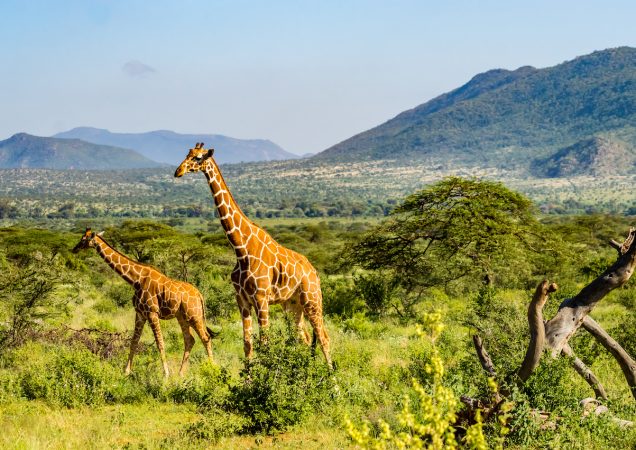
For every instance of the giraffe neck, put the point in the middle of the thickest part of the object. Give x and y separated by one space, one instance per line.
238 228
121 264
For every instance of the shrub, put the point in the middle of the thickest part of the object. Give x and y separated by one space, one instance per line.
340 297
121 294
431 424
71 377
281 385
376 290
212 426
206 385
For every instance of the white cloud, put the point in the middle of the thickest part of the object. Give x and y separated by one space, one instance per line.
135 68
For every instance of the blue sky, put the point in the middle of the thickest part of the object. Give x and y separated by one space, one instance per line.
305 74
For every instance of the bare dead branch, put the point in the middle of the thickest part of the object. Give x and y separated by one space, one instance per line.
486 362
585 372
537 329
628 365
617 245
484 357
572 311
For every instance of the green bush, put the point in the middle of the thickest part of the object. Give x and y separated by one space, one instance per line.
206 385
220 298
71 377
340 297
121 293
281 385
376 289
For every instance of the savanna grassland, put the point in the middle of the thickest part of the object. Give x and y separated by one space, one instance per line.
68 317
312 189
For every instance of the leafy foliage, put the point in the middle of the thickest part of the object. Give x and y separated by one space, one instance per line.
432 425
281 385
457 230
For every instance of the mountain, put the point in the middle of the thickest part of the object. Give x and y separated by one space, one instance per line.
596 156
170 147
26 151
504 118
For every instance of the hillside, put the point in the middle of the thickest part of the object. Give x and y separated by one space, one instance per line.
507 118
170 147
26 151
595 156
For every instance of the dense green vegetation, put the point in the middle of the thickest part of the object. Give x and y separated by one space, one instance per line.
67 318
287 189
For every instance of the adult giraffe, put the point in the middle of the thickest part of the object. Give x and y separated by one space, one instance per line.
156 297
266 273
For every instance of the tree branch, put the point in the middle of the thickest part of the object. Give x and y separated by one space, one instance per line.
628 365
537 329
585 372
572 311
486 362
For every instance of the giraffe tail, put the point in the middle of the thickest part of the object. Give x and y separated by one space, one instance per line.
212 333
314 340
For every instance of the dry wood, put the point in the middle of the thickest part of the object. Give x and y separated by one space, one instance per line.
572 311
537 329
628 365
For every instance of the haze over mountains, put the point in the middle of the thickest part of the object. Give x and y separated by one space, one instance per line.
518 118
170 147
26 151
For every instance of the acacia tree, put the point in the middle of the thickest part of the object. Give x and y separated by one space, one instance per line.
458 230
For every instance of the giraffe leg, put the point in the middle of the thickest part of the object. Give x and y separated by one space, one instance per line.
296 309
188 343
201 329
262 311
153 318
312 303
246 317
140 321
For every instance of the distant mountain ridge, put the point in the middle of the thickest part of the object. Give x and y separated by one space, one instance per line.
26 151
505 119
170 147
596 156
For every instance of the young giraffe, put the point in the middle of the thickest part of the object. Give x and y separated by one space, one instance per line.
266 273
156 297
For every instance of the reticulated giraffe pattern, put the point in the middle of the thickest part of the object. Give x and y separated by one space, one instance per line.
266 273
156 297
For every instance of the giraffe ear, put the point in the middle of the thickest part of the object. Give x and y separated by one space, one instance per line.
100 234
210 152
92 235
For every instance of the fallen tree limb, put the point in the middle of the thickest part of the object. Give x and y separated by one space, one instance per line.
586 373
628 365
572 311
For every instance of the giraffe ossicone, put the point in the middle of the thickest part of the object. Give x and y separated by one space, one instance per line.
156 297
266 273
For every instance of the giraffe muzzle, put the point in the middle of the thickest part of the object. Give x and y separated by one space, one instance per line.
179 172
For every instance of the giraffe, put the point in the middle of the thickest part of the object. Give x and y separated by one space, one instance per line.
156 297
266 273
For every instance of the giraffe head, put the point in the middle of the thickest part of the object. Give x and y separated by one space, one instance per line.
87 240
196 161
